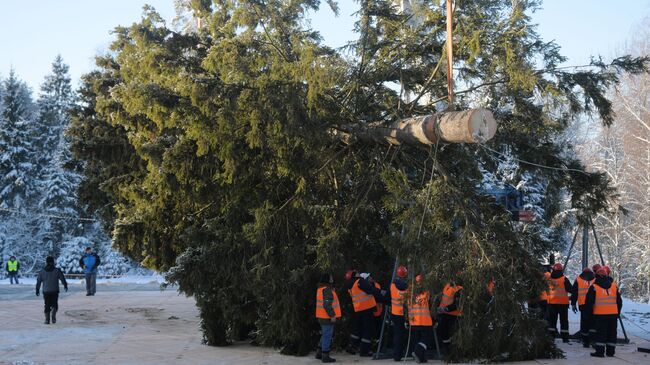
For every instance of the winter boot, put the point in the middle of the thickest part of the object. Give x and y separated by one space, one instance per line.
319 353
47 317
54 315
326 357
597 354
610 351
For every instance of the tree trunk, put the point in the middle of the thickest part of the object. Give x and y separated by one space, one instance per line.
468 126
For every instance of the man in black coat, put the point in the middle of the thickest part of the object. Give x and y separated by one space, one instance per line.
50 277
604 302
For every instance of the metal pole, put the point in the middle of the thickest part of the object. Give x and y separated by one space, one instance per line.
600 253
571 248
450 52
383 323
585 246
593 229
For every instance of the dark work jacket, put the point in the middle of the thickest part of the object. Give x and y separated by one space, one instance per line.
567 284
574 292
605 283
50 277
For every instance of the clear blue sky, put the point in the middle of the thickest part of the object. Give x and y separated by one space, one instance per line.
33 32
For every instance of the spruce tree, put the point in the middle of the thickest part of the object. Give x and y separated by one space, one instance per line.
216 158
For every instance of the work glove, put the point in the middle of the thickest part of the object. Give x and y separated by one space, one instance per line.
383 292
364 275
37 293
574 309
442 310
333 319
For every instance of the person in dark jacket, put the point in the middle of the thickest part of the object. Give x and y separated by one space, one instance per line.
328 310
578 294
50 277
604 302
89 263
558 302
364 297
398 311
12 267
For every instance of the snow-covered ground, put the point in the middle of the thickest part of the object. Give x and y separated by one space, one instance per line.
127 279
129 322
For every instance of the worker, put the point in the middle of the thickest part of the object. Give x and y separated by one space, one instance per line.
380 306
363 294
449 311
12 267
328 310
604 302
397 311
578 295
420 321
592 330
558 302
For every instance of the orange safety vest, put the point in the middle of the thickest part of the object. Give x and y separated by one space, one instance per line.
320 304
558 293
380 306
360 299
397 300
448 294
605 300
583 288
544 295
419 313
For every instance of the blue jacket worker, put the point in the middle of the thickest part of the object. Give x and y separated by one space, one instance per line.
89 262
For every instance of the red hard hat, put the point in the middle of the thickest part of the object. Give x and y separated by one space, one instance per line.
602 272
586 269
402 272
557 267
609 271
595 268
349 274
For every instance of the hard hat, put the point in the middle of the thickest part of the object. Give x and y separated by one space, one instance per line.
557 267
595 268
586 269
402 272
602 272
609 271
350 274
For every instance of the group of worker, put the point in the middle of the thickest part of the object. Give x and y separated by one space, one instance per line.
594 292
408 308
598 299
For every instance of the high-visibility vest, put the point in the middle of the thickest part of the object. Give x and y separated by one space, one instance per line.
448 294
380 306
360 299
558 293
397 300
12 265
583 288
544 295
419 313
490 287
605 300
320 304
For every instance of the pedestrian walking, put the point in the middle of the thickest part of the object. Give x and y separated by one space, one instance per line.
50 277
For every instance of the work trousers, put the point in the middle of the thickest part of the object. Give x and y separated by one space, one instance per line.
421 340
91 283
585 325
605 337
363 326
51 301
13 276
398 336
327 331
562 311
446 328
